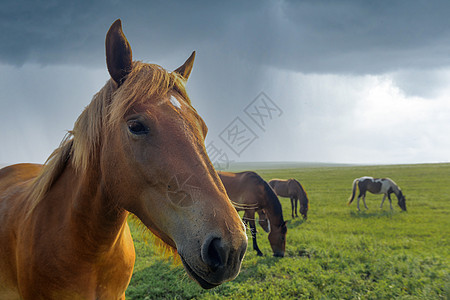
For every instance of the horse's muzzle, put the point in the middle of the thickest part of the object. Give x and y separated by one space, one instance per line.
278 254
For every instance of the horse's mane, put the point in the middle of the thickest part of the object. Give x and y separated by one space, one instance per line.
273 198
107 108
397 190
302 190
147 236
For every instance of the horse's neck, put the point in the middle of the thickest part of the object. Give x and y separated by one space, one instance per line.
83 208
394 187
397 191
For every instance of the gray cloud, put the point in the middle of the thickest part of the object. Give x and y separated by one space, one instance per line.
422 83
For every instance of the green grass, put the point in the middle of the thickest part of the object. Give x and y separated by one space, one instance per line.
338 253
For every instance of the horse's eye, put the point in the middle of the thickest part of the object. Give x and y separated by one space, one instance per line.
137 128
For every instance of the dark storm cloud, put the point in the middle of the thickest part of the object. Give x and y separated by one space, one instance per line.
61 32
306 36
350 36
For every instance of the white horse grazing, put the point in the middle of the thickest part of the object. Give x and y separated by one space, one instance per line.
384 186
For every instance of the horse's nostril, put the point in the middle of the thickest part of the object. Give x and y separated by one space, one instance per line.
215 253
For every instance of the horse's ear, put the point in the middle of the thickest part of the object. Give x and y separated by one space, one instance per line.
186 68
118 53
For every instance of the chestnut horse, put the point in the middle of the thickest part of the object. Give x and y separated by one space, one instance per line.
384 186
63 225
249 192
292 189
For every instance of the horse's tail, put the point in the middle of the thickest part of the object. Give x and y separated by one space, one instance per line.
352 197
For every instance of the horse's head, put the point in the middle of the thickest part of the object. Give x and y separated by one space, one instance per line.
304 206
154 159
401 200
303 198
277 239
304 210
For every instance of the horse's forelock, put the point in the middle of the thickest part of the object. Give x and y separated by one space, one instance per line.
145 82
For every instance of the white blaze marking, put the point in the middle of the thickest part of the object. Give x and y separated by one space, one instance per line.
175 102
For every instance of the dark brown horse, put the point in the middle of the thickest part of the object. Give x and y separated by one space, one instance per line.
63 225
292 189
249 192
384 186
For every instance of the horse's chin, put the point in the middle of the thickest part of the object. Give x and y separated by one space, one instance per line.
200 280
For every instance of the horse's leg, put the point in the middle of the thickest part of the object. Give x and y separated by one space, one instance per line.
252 224
292 206
296 205
364 201
359 197
390 200
382 201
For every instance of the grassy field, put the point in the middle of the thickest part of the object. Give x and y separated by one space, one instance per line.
338 253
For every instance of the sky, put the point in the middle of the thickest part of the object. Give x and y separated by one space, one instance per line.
364 82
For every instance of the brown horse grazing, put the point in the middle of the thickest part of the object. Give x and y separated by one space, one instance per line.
292 189
249 192
63 225
384 186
